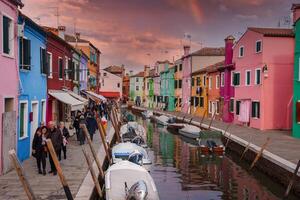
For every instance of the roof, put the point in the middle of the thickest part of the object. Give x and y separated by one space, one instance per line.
215 67
140 74
17 3
199 71
26 18
163 62
295 6
273 32
71 38
52 34
209 51
114 69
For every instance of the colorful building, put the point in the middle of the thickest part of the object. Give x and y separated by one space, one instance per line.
193 62
296 79
226 88
178 84
111 85
32 97
126 86
167 88
215 102
137 87
263 77
9 80
83 79
149 88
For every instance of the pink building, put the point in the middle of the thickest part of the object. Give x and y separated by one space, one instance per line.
263 76
186 80
9 81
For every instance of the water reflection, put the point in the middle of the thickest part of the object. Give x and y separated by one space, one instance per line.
181 172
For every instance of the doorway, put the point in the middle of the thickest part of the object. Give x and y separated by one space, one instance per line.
34 120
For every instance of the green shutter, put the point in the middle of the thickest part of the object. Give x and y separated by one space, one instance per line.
21 52
22 108
6 25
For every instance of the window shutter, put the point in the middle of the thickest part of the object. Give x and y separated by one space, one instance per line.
41 60
26 51
45 64
298 112
253 109
6 35
258 109
192 101
21 52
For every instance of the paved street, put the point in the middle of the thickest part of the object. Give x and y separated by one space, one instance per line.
49 186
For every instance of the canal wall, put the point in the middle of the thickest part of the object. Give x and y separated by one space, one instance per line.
275 167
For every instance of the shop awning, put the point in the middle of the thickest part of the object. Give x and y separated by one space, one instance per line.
66 98
110 94
94 96
78 97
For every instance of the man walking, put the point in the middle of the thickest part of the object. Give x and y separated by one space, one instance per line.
65 134
56 138
76 124
91 124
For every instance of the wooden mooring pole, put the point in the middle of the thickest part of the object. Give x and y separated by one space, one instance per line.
259 153
229 136
103 138
59 170
288 189
93 174
212 119
87 135
203 116
20 172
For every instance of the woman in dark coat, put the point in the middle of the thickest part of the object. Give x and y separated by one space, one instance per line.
39 148
91 124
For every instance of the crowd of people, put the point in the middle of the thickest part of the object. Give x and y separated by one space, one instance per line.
59 135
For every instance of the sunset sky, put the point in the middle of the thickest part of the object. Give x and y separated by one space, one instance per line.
139 32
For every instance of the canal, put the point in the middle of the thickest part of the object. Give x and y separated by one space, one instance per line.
182 173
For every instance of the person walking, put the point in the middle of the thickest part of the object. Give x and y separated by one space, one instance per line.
81 134
91 124
65 134
39 149
56 138
76 124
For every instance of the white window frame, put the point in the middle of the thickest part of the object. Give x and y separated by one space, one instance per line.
246 84
217 107
210 82
240 78
67 67
50 65
11 36
222 79
257 69
217 81
240 56
260 46
43 109
209 107
62 69
25 119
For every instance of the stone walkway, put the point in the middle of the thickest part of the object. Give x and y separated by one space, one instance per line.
49 187
281 144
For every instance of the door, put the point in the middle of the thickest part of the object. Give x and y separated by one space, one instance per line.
213 108
35 121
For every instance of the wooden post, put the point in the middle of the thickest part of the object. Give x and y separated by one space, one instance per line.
19 169
117 130
260 153
95 179
102 135
59 170
114 125
211 120
246 149
192 116
87 135
288 189
203 117
228 138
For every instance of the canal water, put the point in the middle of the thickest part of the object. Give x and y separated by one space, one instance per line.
182 173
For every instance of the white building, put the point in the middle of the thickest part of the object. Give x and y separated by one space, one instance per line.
110 85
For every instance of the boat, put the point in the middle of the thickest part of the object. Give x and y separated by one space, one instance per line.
147 114
211 141
123 151
128 181
190 131
133 132
164 120
175 126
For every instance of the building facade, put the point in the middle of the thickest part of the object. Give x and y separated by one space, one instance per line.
32 98
126 86
263 95
9 80
178 84
111 85
167 89
137 87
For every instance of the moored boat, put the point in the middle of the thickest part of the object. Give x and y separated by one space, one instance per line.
190 131
147 114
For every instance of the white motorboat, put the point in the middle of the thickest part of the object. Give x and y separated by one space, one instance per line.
126 180
147 114
176 126
163 120
122 151
190 131
133 132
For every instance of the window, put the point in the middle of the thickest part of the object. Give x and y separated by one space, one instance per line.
175 84
217 107
237 107
231 106
257 76
222 79
180 83
209 107
137 88
248 77
236 79
8 104
192 101
241 51
7 36
217 82
258 46
25 53
49 63
23 119
196 101
193 81
118 85
137 80
198 81
43 109
204 80
104 74
210 83
201 103
67 68
77 72
180 67
43 61
176 68
60 68
255 109
298 112
180 102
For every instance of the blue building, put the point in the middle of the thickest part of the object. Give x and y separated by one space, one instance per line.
33 83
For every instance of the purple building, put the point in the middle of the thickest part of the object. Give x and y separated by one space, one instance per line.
226 88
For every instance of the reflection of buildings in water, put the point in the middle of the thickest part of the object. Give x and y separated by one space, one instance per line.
167 147
149 134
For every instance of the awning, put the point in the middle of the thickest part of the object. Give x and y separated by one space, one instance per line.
92 95
78 97
66 98
110 94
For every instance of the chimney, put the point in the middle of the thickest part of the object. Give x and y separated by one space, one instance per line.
296 12
61 32
229 42
186 49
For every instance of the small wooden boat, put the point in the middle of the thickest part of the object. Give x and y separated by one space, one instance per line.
190 131
147 114
123 175
211 141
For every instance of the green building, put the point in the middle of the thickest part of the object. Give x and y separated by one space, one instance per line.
149 89
167 86
296 80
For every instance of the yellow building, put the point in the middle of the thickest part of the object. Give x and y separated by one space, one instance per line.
199 98
178 84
